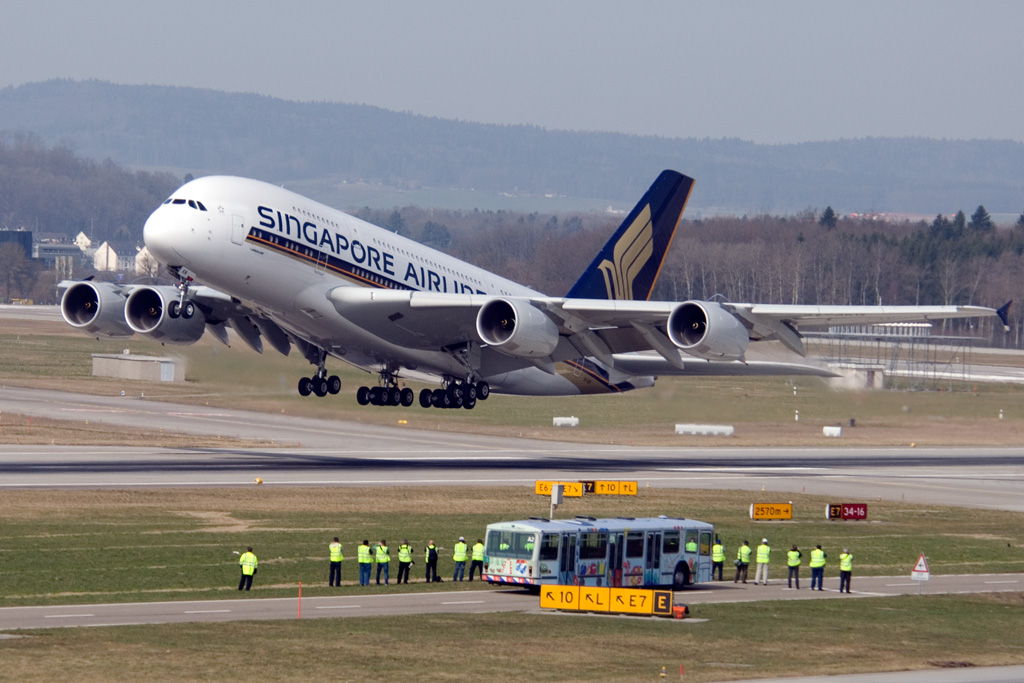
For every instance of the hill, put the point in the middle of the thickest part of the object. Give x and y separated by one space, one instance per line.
204 131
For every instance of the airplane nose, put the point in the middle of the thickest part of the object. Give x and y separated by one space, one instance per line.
158 234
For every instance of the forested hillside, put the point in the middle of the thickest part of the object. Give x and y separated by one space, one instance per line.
203 131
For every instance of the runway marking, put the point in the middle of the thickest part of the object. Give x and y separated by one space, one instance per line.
206 611
65 616
339 607
1002 582
912 583
464 602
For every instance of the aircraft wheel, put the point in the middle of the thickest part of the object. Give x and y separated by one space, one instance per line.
469 392
441 399
469 403
425 395
455 399
363 396
483 390
174 309
375 396
305 386
333 384
188 310
407 397
394 396
319 386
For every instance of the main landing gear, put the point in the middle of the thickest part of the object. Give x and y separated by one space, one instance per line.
455 395
320 384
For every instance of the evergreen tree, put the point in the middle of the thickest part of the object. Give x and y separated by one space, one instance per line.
396 223
980 220
1020 220
959 222
828 218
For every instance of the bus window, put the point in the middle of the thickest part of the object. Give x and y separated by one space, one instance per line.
593 546
499 542
549 547
691 541
671 543
705 543
524 544
635 544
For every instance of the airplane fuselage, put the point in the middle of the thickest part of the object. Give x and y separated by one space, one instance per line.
280 254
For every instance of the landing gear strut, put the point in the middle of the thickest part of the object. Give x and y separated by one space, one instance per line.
320 384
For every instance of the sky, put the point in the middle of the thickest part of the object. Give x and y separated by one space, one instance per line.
769 72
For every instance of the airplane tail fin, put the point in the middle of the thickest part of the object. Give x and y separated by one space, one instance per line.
628 265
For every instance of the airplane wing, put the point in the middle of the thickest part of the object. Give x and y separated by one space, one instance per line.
548 329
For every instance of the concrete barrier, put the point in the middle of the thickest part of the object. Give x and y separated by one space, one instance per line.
566 422
705 430
834 432
146 368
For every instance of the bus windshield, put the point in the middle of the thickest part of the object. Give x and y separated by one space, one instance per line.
511 544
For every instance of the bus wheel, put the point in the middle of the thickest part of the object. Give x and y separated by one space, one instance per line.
681 577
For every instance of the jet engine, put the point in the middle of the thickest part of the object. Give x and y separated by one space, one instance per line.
96 308
516 328
157 313
706 330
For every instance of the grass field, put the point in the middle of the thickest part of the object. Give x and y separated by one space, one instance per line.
762 409
66 547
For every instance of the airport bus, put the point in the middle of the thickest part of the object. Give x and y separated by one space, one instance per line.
622 551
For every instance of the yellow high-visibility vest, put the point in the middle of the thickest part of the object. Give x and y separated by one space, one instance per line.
717 553
763 553
336 555
382 554
478 552
364 554
743 555
460 552
793 558
249 563
846 562
404 553
817 558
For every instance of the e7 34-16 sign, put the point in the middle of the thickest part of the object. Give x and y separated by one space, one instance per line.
771 511
847 511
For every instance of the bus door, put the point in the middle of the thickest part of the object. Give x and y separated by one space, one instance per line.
567 562
652 562
702 563
615 561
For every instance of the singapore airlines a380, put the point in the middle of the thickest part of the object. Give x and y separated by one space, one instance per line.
281 269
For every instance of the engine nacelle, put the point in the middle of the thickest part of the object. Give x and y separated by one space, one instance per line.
516 328
706 330
156 312
96 308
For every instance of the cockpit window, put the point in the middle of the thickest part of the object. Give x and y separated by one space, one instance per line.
193 203
201 207
179 201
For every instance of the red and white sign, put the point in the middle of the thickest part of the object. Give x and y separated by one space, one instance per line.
920 570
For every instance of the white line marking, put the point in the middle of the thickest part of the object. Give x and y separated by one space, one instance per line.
464 602
901 584
339 607
64 616
1002 582
206 611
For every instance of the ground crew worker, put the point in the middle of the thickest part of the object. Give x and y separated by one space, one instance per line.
334 579
845 570
383 559
742 562
404 561
365 559
249 565
763 558
430 559
478 560
817 566
459 556
717 558
691 544
793 562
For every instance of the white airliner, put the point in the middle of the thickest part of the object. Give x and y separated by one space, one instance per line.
276 266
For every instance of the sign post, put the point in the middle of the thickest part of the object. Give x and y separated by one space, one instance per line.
920 571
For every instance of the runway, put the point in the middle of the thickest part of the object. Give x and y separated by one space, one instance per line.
312 452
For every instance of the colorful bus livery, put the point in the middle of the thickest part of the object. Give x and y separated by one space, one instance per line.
620 552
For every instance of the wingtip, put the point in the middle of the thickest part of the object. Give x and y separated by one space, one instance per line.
1003 313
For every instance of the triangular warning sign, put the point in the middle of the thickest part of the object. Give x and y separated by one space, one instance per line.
922 565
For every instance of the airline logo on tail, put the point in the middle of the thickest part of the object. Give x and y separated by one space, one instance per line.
631 253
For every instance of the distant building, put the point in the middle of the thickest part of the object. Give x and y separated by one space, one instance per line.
49 252
22 238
